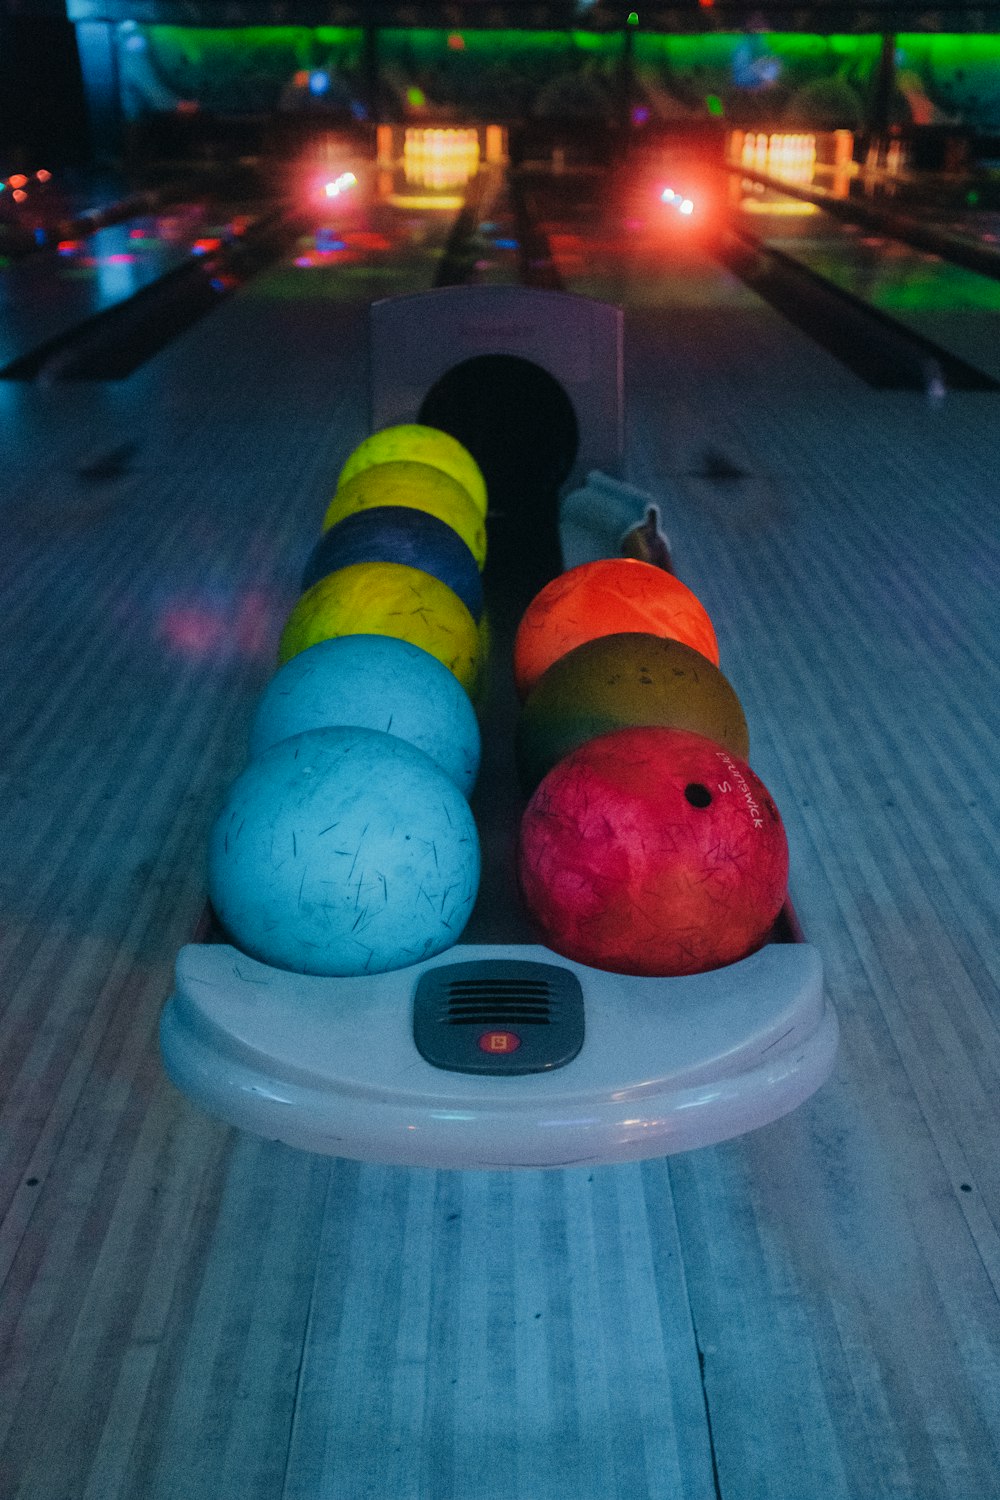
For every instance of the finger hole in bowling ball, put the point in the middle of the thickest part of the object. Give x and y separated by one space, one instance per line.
698 795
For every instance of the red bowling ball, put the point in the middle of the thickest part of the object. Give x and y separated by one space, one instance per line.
653 851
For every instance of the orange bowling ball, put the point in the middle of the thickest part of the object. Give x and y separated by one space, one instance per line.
607 597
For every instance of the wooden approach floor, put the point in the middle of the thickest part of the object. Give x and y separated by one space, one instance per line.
808 1311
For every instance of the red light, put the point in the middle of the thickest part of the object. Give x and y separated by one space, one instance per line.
19 195
205 247
17 180
364 239
44 176
456 42
499 1041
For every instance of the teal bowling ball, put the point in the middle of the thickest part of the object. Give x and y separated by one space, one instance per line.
399 534
373 682
343 852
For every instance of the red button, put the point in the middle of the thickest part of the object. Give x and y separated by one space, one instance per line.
499 1041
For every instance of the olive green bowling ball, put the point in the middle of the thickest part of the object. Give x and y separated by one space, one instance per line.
624 682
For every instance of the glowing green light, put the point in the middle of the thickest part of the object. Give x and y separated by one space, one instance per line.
633 18
424 46
244 69
416 97
714 105
972 198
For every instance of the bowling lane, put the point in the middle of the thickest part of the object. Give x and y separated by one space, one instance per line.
842 540
956 308
155 531
330 197
188 1311
55 291
160 539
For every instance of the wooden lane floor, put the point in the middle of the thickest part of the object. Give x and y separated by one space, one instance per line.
808 1311
47 295
954 307
158 529
842 1265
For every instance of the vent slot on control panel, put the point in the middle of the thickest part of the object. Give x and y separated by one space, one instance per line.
537 1009
494 1002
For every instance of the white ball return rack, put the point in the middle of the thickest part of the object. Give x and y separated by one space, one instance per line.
547 1066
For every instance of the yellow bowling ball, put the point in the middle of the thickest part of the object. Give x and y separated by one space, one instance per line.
418 487
387 599
422 445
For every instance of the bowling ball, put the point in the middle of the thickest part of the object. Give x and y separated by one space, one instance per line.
387 599
417 487
343 851
424 445
373 682
395 533
607 597
653 851
621 682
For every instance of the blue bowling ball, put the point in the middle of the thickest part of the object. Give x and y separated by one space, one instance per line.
373 682
343 852
399 534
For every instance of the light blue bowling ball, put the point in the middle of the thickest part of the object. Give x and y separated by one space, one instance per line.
374 682
343 852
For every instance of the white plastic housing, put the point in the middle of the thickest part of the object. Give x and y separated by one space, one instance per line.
330 1065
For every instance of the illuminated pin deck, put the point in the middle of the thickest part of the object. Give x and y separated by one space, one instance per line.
430 166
